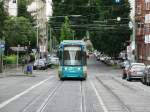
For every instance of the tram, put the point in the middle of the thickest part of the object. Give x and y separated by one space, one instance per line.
72 58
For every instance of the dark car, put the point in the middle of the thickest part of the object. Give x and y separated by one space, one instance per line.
146 76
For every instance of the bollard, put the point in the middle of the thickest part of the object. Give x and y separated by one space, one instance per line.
29 70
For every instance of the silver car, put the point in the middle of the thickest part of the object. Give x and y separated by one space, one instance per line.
136 71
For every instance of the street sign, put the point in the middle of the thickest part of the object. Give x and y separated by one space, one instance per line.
117 1
2 45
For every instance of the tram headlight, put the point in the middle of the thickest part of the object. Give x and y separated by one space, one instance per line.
65 68
79 69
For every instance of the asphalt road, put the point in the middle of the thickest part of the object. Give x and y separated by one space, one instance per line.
103 91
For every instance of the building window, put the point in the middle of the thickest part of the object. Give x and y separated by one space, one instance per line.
139 9
140 28
147 4
147 18
14 1
147 29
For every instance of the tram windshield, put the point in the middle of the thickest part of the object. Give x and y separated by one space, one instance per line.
72 55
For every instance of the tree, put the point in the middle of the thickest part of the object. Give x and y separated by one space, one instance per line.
3 17
109 36
112 37
66 32
74 7
22 10
18 30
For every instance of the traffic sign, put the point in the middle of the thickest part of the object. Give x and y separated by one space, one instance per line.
117 1
2 45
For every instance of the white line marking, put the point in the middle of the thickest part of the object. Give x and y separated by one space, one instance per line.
81 97
99 98
50 96
3 104
83 104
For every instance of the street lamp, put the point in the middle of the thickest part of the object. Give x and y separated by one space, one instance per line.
132 24
18 48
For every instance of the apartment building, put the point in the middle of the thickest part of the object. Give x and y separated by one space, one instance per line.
38 11
142 18
13 8
6 5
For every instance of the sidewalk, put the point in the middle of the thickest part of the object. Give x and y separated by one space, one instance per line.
13 72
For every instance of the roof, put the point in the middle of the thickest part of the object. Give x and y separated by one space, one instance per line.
68 42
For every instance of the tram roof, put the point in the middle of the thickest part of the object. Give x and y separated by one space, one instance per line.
78 42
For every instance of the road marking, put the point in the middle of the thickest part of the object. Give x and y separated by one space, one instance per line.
83 104
50 96
3 104
99 98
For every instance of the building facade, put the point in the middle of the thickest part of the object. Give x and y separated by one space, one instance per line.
6 5
38 11
142 18
13 8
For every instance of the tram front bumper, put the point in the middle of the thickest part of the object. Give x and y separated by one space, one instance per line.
72 72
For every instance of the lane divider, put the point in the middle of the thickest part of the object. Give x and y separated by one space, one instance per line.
3 104
99 98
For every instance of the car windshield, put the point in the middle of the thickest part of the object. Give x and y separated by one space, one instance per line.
39 62
72 55
138 67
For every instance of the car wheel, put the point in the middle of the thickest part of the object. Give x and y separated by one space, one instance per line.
124 76
62 79
143 79
129 78
34 68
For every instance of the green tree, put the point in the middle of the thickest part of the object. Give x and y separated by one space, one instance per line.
66 32
108 35
74 7
112 37
18 30
3 17
22 10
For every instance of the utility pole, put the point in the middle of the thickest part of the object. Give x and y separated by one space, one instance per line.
18 48
37 30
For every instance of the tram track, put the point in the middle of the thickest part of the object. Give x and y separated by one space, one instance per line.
51 92
49 97
124 85
123 105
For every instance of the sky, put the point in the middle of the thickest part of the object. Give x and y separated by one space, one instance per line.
133 8
49 7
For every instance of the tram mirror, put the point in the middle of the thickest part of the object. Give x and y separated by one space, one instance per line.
59 54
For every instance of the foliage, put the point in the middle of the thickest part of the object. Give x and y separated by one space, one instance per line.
109 36
18 31
118 32
70 8
66 32
3 17
12 59
22 10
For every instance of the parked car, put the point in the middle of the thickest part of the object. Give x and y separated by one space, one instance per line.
136 71
146 76
53 60
125 67
39 64
98 57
